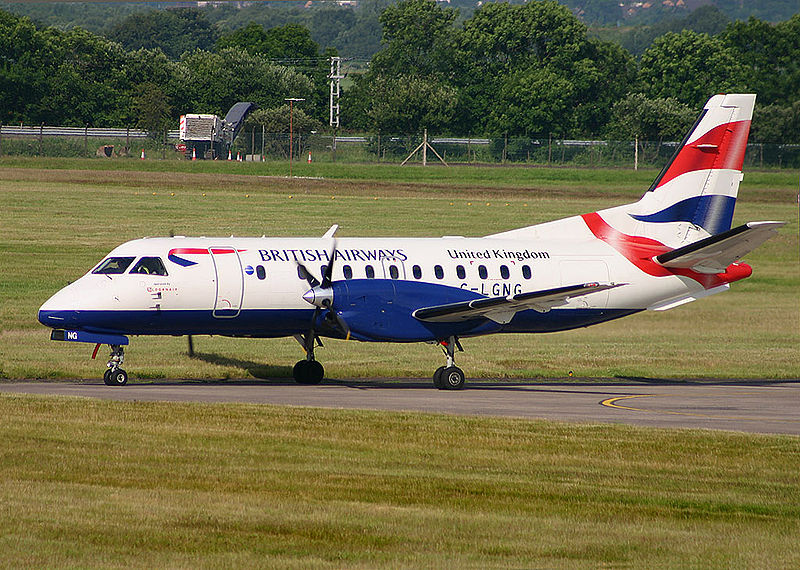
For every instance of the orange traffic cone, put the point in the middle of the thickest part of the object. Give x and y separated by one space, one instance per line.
229 154
309 157
239 156
194 154
142 157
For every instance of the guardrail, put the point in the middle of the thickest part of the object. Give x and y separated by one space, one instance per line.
94 132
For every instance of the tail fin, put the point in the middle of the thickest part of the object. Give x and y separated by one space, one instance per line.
697 189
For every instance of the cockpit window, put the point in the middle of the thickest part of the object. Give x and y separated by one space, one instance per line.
114 265
149 266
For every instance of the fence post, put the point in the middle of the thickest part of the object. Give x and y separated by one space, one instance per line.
636 153
86 140
469 148
1 139
128 139
549 148
41 134
505 148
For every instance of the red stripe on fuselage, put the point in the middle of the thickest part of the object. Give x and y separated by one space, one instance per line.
720 148
641 250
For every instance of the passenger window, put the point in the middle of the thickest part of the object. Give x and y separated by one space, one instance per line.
261 273
348 271
462 274
482 273
417 271
114 265
526 272
370 272
504 271
149 266
393 272
438 271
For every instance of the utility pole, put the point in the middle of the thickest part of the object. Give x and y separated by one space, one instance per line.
335 77
291 101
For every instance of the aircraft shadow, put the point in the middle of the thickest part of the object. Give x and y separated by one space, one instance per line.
256 369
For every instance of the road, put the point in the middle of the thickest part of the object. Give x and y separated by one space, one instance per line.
748 406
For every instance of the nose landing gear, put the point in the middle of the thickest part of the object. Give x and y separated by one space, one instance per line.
114 375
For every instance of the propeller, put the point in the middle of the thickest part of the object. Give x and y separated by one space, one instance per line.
321 293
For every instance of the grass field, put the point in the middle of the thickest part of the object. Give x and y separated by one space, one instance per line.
57 223
87 483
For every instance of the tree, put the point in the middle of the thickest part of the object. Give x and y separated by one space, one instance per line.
276 120
770 57
689 67
417 35
173 31
649 119
209 82
776 124
152 109
289 42
533 69
409 104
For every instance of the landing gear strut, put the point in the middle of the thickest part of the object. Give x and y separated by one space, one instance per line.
115 376
449 377
308 371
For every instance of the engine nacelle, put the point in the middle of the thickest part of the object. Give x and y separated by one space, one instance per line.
381 309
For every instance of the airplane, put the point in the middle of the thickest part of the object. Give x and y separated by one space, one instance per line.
673 246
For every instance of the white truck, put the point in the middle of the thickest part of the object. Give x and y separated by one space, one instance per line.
209 136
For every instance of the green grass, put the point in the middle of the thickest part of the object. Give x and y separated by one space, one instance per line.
86 483
58 223
486 177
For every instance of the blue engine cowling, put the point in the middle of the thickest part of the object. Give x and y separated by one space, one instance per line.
381 310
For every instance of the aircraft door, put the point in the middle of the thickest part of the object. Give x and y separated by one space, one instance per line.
229 281
393 268
576 272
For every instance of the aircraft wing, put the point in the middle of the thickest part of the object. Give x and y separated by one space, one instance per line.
503 309
714 254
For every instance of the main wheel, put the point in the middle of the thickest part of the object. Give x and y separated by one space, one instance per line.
452 378
437 377
308 372
118 377
107 377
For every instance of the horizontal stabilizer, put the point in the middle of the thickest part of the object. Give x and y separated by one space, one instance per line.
503 309
714 254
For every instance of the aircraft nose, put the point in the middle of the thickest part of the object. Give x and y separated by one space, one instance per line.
60 309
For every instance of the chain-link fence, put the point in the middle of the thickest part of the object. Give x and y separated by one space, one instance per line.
254 144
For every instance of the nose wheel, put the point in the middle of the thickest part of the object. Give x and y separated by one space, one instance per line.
114 375
449 377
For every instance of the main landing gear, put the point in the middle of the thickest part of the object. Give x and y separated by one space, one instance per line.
308 370
115 376
449 377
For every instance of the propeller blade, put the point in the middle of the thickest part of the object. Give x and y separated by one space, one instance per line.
306 274
326 276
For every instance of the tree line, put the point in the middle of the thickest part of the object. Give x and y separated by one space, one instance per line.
530 70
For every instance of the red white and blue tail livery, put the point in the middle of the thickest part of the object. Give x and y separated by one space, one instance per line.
673 246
